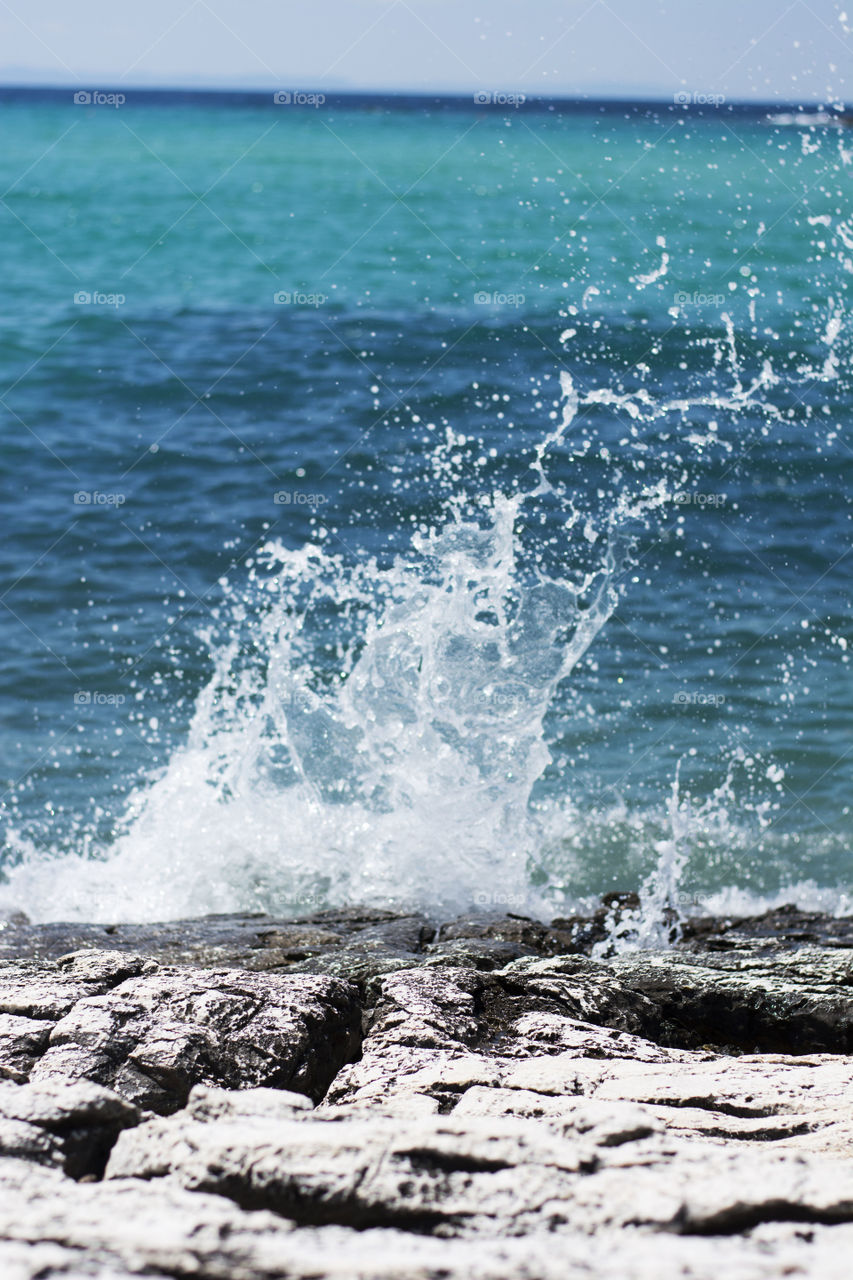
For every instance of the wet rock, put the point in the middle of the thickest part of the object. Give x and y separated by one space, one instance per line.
244 941
533 937
476 953
784 928
356 965
791 1002
257 941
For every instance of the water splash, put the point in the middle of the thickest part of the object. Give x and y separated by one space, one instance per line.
393 766
658 919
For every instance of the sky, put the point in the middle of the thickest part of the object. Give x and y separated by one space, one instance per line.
741 49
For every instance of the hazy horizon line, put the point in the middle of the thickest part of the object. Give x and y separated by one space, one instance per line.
651 97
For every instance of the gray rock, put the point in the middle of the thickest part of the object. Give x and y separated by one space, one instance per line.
260 942
71 1125
356 965
435 1173
208 1104
46 1261
600 1165
752 1098
530 936
52 1227
152 1037
429 1024
114 1228
22 1042
33 997
510 1111
782 929
26 1142
476 953
44 992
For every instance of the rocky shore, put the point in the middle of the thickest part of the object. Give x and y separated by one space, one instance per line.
360 1094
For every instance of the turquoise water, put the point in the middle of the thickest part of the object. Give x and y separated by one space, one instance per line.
447 506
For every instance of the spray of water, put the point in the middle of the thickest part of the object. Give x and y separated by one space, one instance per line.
658 919
398 771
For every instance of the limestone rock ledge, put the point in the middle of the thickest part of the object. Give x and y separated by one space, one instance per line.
480 1102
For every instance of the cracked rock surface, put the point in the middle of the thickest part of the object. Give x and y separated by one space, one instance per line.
381 1096
150 1032
71 1125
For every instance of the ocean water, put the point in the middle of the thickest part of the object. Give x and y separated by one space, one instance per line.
427 504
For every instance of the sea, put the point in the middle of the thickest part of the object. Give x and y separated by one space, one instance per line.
437 504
